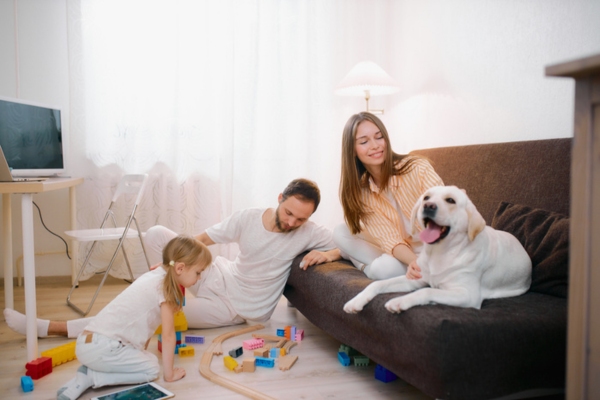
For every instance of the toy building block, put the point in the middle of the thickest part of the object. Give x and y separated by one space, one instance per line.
235 353
249 365
262 352
348 350
186 351
361 361
265 362
229 362
39 367
238 369
343 358
61 354
252 344
179 321
384 375
281 332
194 339
26 384
274 353
179 346
286 362
282 351
288 332
299 335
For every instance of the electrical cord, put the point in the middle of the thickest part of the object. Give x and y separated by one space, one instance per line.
58 236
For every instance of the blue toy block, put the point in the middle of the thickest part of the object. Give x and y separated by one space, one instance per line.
177 346
384 375
265 362
343 358
274 352
27 384
194 339
281 332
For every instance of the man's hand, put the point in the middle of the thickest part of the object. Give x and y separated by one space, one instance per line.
414 271
319 257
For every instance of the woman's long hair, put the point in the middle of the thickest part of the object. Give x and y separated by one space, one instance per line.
355 177
189 251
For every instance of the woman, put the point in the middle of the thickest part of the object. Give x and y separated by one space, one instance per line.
378 189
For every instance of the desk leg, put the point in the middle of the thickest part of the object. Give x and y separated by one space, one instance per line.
7 246
29 275
74 243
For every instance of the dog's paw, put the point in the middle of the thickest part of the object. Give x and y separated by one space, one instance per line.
395 305
354 306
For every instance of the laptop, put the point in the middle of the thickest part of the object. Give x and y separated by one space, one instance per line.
6 175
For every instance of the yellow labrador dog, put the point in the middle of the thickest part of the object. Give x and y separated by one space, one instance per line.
462 262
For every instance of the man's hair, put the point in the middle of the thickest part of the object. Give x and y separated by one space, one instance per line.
303 189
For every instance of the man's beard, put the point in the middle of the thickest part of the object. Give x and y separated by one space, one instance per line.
279 225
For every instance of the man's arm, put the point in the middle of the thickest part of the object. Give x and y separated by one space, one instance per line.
204 238
319 257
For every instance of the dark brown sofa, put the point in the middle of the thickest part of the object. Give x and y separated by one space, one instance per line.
513 347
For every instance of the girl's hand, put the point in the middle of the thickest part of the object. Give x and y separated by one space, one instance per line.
176 375
414 271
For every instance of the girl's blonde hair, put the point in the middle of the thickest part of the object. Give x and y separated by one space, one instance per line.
355 177
187 250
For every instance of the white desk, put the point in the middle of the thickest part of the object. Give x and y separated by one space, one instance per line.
27 189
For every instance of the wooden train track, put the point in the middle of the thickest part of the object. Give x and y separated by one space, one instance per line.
215 348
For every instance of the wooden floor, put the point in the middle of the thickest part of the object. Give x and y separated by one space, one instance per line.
316 375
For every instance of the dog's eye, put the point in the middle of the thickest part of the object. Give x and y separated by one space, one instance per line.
425 198
450 200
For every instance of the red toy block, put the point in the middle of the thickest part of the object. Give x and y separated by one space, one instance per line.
39 367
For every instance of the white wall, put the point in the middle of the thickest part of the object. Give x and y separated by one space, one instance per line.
43 77
471 71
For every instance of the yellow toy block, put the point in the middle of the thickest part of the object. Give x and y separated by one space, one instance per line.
230 362
186 351
180 323
61 354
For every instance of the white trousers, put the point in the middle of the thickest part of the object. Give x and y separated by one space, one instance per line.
373 261
206 303
110 362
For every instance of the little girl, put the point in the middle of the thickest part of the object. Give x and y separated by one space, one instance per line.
112 348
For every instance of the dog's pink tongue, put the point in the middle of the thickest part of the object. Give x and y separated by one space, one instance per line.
431 233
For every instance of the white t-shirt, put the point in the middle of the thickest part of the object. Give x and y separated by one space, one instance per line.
133 316
255 280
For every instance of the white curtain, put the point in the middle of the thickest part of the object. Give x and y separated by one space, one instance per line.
222 103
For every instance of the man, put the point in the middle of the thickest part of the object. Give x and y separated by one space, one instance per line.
248 288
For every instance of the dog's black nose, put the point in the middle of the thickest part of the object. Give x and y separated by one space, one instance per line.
429 209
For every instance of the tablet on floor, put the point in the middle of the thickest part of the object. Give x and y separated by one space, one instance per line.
147 391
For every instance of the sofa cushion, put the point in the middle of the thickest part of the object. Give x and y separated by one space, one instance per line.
545 237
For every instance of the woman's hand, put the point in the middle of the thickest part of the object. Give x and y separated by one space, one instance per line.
176 375
414 271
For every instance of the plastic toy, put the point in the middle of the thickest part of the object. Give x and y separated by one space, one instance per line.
343 358
39 367
235 353
265 362
194 339
26 384
361 361
230 363
384 375
186 351
61 354
252 344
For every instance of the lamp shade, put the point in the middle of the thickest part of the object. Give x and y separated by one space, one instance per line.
366 75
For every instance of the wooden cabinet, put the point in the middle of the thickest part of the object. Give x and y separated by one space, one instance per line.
583 349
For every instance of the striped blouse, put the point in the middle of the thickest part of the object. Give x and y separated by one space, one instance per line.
381 220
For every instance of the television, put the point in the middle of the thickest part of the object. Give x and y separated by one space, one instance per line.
31 137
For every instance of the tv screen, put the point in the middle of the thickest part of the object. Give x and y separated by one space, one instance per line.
31 138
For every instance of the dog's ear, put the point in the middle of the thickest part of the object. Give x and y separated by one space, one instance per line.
414 221
476 221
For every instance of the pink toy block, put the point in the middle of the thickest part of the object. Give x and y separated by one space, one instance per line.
299 335
252 344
